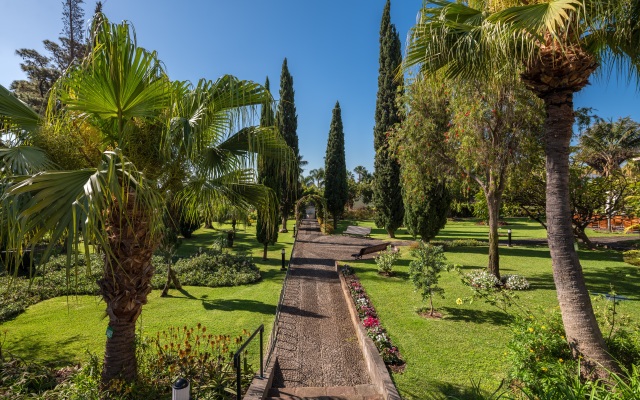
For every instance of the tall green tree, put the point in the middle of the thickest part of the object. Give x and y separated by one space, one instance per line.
336 187
287 124
553 46
141 120
43 70
387 196
269 176
426 208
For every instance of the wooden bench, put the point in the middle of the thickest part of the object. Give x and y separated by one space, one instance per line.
357 231
370 249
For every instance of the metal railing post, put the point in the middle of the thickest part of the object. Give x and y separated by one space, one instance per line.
261 352
237 363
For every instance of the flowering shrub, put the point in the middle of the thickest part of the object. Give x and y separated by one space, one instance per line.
538 351
515 282
367 314
386 259
481 279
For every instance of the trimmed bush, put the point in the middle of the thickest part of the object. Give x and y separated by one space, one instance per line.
211 269
515 282
632 257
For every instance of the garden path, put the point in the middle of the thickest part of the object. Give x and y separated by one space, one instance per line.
317 347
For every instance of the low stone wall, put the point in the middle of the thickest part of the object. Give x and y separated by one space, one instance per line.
378 372
259 388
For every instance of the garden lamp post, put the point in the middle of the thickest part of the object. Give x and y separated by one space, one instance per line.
283 268
509 237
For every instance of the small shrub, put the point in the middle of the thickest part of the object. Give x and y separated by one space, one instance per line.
449 244
386 259
515 282
214 269
425 270
481 279
538 351
361 214
632 257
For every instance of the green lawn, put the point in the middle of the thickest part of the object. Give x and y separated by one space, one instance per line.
61 330
469 343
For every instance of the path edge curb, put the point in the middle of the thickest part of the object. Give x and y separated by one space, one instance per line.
376 368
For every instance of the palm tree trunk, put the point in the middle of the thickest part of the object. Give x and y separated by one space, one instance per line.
125 285
582 331
493 205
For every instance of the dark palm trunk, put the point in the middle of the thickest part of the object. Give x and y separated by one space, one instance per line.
582 331
264 253
284 223
124 287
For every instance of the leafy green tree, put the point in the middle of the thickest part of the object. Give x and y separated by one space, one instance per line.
268 175
471 130
287 124
387 197
336 189
553 46
122 92
42 71
424 271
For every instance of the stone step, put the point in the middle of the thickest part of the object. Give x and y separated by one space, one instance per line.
359 392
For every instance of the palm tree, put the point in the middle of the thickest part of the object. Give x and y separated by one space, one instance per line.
318 177
362 172
605 145
145 123
554 46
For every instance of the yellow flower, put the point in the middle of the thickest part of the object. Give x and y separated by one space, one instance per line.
459 301
562 337
531 350
560 360
530 329
543 327
544 369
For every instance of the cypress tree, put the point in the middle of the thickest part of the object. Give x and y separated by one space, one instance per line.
287 124
268 175
426 209
336 188
387 195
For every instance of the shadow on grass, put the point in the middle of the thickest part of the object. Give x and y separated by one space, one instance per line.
475 316
228 304
474 391
30 347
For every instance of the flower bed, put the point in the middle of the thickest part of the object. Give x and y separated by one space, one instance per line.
369 319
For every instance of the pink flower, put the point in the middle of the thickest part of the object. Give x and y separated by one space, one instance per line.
370 322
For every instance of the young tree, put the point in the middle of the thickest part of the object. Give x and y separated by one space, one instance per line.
386 184
336 189
554 47
287 124
268 175
425 270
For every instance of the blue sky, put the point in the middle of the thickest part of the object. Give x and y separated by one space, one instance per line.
331 47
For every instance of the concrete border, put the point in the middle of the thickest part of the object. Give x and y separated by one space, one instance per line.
378 372
259 388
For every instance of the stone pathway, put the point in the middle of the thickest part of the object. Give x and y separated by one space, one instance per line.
317 347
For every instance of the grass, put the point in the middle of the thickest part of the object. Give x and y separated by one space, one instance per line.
443 356
61 330
469 344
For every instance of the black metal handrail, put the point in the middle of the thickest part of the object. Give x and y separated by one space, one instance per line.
238 354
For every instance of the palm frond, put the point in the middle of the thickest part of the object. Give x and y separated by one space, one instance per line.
23 160
74 203
15 113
